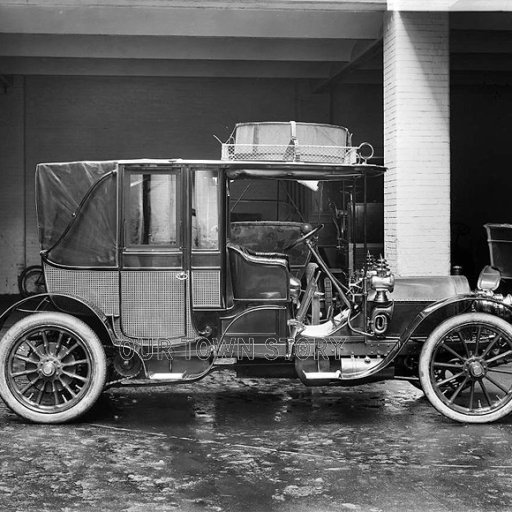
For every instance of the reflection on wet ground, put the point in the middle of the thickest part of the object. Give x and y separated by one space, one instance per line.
251 445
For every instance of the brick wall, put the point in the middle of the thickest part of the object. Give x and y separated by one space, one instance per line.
417 143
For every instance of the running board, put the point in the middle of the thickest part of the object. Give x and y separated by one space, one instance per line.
351 368
166 376
322 375
225 361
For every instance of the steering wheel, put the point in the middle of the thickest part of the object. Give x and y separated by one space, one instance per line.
303 238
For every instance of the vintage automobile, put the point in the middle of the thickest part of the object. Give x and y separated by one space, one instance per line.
152 278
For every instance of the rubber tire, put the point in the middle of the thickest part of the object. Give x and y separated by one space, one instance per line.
426 353
79 329
23 277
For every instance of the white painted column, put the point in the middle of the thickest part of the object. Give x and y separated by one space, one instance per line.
417 143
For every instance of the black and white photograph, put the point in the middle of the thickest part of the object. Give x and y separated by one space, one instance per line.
255 255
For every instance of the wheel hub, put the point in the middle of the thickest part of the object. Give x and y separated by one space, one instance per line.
49 367
476 369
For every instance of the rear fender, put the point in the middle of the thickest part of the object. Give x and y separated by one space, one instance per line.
63 303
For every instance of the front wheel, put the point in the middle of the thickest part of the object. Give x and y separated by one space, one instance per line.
465 368
52 367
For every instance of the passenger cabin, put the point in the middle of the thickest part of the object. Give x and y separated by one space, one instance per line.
150 243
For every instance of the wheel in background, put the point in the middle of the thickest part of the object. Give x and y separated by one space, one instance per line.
31 281
465 368
52 367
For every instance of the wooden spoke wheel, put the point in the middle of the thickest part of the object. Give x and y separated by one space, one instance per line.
52 367
466 368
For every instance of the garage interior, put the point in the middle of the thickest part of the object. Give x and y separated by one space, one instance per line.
154 81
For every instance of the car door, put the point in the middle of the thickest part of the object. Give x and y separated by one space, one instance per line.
153 264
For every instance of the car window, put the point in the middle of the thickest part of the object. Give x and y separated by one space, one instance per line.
205 210
151 209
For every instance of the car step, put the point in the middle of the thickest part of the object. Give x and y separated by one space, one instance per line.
323 375
225 361
166 376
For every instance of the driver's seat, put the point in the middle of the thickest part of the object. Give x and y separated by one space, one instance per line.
258 275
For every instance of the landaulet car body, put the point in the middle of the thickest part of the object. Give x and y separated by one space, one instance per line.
158 271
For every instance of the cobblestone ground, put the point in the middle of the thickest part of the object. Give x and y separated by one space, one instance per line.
256 445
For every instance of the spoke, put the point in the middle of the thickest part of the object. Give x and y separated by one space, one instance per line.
447 365
68 389
59 343
497 384
454 353
484 389
459 389
46 343
499 356
471 394
75 376
26 359
34 349
69 350
40 394
464 344
73 363
29 385
477 343
489 347
55 394
449 379
25 372
499 371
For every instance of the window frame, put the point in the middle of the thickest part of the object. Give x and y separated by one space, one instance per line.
149 247
193 176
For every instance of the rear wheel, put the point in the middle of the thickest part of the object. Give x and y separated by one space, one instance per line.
52 367
465 368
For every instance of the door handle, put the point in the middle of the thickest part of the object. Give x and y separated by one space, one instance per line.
182 276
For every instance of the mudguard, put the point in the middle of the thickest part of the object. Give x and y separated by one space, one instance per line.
452 306
70 304
445 308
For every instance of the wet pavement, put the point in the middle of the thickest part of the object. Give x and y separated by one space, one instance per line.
257 445
225 444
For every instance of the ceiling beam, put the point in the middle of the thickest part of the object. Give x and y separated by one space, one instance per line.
365 55
180 47
310 5
167 67
162 21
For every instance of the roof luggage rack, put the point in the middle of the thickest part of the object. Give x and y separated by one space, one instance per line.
294 142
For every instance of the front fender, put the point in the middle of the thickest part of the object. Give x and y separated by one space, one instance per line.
65 303
439 311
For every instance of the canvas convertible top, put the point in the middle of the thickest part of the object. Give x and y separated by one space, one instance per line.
76 212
